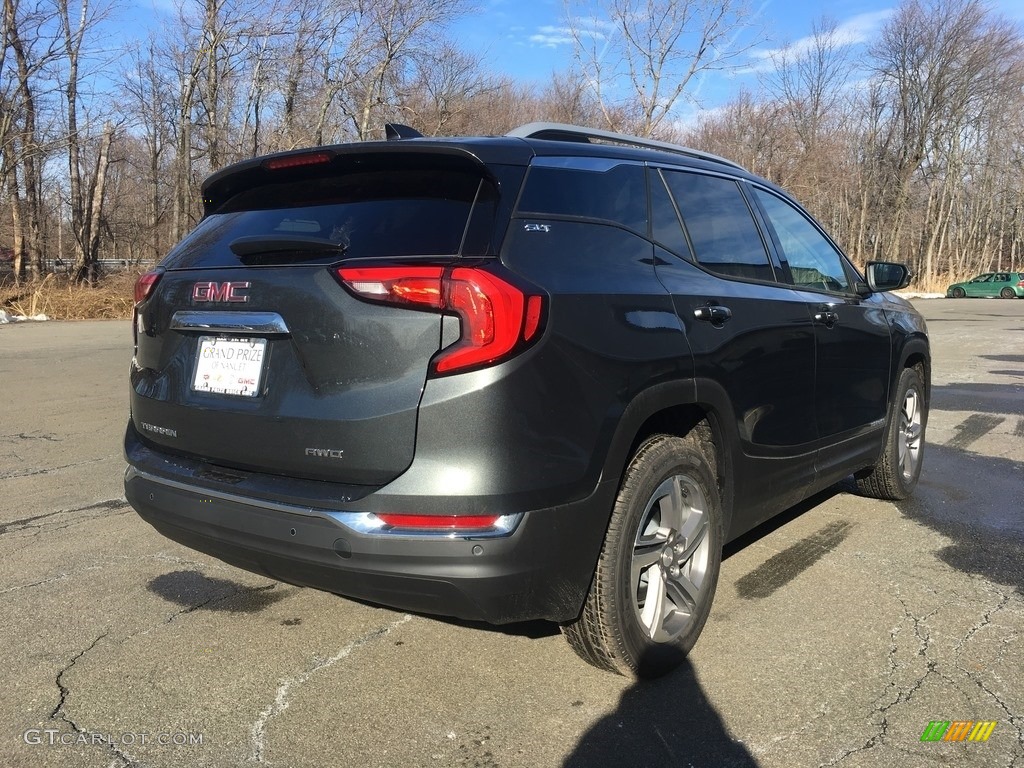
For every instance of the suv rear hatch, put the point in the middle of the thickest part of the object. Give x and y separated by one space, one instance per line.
253 351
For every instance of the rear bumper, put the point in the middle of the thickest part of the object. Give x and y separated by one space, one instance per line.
541 570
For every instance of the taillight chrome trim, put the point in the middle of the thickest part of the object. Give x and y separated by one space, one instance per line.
365 523
369 523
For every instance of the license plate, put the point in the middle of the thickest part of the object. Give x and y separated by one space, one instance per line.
230 366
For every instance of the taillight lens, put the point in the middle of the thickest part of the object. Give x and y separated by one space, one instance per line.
412 286
460 523
498 318
146 283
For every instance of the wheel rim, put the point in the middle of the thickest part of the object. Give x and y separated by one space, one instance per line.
668 574
958 293
1008 293
910 434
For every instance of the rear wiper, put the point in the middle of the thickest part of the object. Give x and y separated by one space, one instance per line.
252 245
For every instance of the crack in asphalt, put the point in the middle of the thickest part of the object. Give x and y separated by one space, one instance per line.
902 695
215 599
809 725
120 560
48 436
258 730
1012 719
48 470
109 506
19 587
126 760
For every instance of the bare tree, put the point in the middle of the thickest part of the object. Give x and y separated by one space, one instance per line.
382 54
86 180
809 82
642 56
30 48
148 96
940 64
445 87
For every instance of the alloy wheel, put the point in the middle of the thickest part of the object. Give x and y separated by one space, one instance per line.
670 559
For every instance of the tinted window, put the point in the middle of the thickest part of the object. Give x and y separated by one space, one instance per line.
666 229
616 194
721 227
380 213
813 261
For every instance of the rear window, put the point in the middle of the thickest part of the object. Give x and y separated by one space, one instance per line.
587 188
388 213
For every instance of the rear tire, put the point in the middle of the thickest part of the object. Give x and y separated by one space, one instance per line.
894 476
1007 293
656 575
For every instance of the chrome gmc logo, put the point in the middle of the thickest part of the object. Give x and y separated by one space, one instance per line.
210 291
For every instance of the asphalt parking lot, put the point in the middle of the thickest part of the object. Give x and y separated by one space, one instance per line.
838 633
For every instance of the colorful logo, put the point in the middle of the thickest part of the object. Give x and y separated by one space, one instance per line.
958 730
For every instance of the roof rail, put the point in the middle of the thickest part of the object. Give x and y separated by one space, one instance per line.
565 132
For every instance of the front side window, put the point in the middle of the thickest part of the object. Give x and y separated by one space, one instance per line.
720 226
813 260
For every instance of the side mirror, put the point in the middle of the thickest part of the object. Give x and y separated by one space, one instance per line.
887 276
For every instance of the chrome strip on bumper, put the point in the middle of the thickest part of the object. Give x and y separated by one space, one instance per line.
359 522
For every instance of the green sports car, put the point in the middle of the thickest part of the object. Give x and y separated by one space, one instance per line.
1006 285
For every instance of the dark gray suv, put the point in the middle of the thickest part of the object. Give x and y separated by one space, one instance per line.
544 375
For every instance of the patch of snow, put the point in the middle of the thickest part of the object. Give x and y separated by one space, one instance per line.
7 318
920 295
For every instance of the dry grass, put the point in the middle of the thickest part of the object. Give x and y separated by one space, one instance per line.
60 298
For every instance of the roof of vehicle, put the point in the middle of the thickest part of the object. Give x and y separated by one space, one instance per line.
518 147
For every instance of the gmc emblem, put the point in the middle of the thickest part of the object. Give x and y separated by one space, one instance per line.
210 291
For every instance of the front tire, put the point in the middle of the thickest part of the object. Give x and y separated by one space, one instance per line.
894 476
958 293
658 568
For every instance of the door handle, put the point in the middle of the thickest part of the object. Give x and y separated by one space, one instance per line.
713 313
826 317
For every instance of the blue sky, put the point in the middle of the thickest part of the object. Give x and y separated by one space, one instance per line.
527 39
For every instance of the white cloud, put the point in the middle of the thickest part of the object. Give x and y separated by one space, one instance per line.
854 31
586 27
551 40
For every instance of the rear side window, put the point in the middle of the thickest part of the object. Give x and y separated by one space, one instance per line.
587 188
720 226
387 212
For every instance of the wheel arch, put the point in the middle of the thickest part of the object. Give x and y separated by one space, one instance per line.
673 408
916 354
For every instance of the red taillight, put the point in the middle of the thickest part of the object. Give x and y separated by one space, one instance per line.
296 161
441 522
145 284
415 286
497 317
